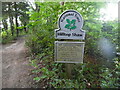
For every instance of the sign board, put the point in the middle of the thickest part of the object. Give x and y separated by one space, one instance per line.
69 52
70 26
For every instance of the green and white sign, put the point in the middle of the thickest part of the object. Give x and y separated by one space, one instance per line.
70 26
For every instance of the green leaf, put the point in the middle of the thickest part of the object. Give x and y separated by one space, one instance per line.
43 77
73 27
68 21
40 78
73 21
67 26
37 78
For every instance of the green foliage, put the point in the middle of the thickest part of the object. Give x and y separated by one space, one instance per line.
6 37
83 76
110 78
40 41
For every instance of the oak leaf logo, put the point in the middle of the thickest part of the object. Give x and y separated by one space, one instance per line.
71 24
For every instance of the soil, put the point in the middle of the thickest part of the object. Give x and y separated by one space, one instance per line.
16 69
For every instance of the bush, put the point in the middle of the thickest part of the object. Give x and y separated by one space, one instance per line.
7 37
40 41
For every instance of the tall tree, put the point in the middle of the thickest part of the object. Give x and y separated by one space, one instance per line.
4 16
10 12
23 16
16 18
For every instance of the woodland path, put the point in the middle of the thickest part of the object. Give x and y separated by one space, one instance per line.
16 71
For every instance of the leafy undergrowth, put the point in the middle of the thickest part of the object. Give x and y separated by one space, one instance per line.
7 37
49 74
40 41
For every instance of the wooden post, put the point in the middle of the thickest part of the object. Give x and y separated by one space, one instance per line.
68 70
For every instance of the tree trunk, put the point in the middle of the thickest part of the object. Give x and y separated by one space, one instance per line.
37 8
11 19
12 25
16 17
25 29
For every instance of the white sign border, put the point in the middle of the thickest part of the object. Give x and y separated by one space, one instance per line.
59 28
70 10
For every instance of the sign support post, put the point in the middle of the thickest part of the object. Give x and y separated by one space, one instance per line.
68 70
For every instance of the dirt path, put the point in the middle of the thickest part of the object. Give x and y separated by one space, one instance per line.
15 66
